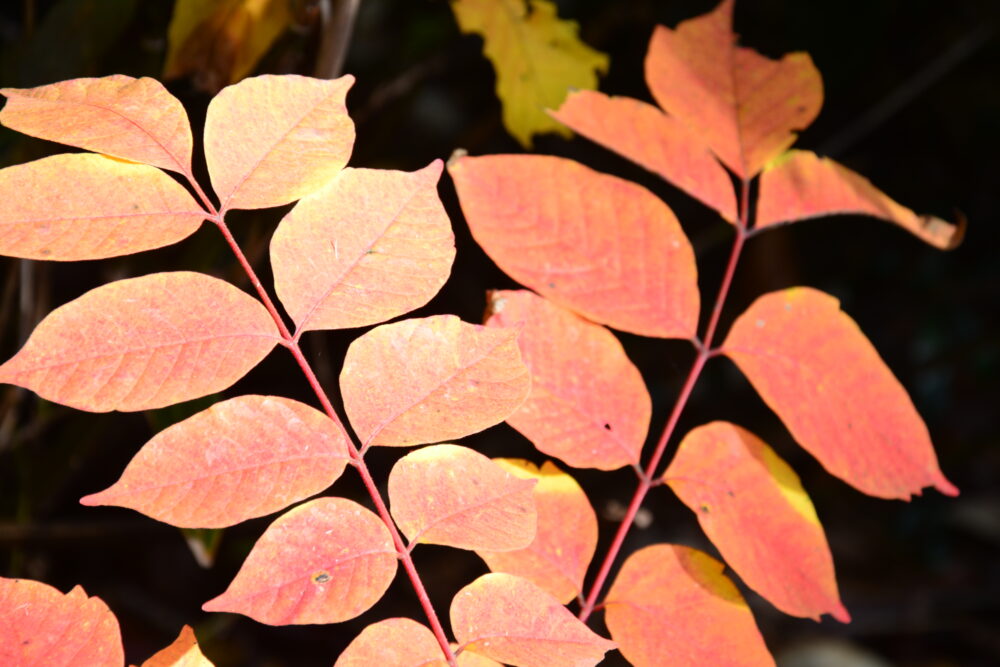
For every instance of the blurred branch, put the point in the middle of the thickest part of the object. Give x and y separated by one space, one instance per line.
336 25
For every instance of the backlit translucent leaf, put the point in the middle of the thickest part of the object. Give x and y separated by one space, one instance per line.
242 458
800 185
184 652
431 379
604 247
513 621
654 140
814 367
270 139
455 496
671 605
42 627
325 561
144 343
751 505
588 403
84 206
394 642
564 544
134 119
538 58
745 106
370 246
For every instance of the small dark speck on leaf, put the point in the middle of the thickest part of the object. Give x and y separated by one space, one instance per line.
552 285
607 427
704 508
321 578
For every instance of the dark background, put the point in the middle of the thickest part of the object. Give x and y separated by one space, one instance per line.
911 102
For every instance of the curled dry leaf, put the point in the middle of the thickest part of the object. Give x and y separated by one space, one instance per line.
431 379
271 139
588 403
455 496
814 367
671 605
144 343
43 627
751 505
565 539
242 458
371 245
184 652
83 206
513 621
325 561
601 246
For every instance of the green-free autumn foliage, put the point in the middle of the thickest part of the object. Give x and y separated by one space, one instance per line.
362 246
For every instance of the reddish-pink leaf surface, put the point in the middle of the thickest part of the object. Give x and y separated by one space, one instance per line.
588 403
801 184
814 367
272 139
455 496
394 642
745 106
566 537
660 143
671 605
513 621
604 247
41 627
325 561
184 652
144 343
431 379
751 505
84 206
133 119
242 458
371 245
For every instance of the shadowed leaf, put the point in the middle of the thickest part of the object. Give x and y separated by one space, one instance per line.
184 652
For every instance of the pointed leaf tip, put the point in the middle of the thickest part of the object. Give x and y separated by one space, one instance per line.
394 642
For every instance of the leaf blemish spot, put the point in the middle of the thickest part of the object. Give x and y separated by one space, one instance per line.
321 577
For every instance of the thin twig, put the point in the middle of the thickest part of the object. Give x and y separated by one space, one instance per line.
336 26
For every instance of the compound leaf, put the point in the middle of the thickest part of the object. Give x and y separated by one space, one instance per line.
183 652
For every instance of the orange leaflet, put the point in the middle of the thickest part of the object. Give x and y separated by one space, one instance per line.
812 365
564 544
431 379
270 140
744 106
240 459
660 143
370 246
511 620
800 185
184 652
325 561
144 343
41 626
134 119
602 246
455 496
104 208
394 642
588 403
671 605
751 505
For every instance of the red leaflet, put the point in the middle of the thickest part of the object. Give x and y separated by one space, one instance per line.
184 652
812 365
105 208
671 605
270 140
566 537
144 343
650 138
588 403
42 627
755 511
455 496
239 459
431 379
604 247
371 245
394 642
745 106
133 119
800 184
325 561
511 620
